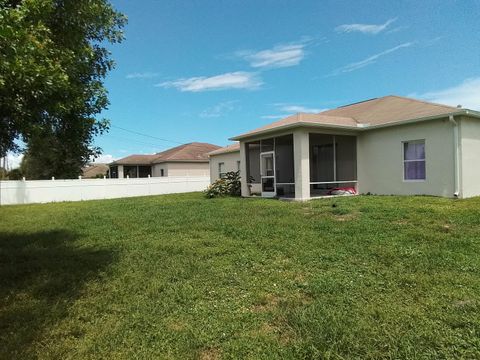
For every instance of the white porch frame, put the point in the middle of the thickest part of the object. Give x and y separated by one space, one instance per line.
301 162
264 176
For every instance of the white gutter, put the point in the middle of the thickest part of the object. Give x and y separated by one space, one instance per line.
456 157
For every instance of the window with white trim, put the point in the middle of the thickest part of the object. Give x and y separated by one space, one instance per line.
414 164
221 170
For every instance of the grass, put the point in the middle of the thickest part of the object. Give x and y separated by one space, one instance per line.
180 276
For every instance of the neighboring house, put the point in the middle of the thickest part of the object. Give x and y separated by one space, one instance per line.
184 160
224 160
388 145
93 171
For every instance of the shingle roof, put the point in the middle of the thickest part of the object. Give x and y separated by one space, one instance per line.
379 111
227 149
188 152
389 109
91 171
191 152
135 159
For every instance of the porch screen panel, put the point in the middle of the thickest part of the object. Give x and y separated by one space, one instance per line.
267 144
253 162
346 157
113 172
130 171
321 158
284 166
144 171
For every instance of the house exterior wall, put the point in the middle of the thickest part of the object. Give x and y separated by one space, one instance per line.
470 157
380 159
157 169
188 169
230 161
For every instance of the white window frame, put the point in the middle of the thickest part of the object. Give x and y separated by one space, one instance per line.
418 141
220 173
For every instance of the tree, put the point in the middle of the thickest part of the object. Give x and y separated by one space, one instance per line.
53 62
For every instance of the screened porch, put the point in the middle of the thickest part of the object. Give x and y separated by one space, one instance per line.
271 165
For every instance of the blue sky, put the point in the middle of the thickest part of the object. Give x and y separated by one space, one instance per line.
208 70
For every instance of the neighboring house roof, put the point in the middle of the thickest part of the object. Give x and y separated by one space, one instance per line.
225 150
191 152
93 170
385 111
135 159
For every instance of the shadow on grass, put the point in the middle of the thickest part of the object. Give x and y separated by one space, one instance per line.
41 275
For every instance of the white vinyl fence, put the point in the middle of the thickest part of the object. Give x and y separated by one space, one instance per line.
44 191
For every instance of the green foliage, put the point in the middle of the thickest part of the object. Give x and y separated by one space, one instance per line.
183 277
229 185
15 174
52 65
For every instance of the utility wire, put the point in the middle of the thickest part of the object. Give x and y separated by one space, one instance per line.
151 136
140 142
146 135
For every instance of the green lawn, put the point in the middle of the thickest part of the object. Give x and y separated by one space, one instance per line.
181 276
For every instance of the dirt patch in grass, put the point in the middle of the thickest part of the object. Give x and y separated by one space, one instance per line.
177 325
346 217
210 353
268 303
461 304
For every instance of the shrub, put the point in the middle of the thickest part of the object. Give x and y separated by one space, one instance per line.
229 185
15 174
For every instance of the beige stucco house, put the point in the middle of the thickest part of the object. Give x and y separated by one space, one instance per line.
388 145
185 160
224 160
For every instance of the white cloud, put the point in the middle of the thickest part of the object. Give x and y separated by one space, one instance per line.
13 161
231 80
273 116
466 94
289 109
219 109
142 75
277 57
368 61
299 108
104 159
371 29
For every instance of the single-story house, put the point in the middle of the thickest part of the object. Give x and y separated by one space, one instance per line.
94 170
185 160
224 160
388 145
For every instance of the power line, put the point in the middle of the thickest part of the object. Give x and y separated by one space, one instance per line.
152 137
157 146
146 135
